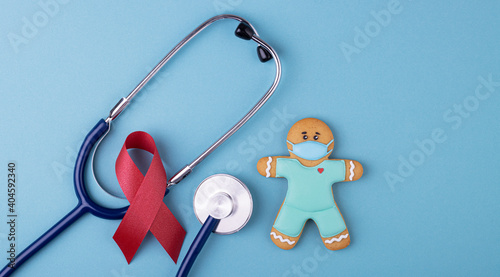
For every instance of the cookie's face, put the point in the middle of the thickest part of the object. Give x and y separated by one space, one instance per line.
310 139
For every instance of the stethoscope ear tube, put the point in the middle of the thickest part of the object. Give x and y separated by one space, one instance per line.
245 31
198 243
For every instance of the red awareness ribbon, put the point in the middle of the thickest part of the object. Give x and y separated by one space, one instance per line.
147 212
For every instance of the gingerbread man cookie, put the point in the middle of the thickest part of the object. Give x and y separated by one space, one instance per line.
310 176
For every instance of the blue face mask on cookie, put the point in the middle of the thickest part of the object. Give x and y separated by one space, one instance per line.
310 150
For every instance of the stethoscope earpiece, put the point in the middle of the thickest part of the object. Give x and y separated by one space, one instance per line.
244 31
264 55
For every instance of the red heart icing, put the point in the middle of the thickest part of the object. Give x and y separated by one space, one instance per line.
320 170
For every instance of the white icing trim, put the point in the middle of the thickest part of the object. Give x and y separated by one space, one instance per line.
352 170
268 169
337 239
281 238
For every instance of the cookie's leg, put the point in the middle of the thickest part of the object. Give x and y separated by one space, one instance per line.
288 227
283 241
337 242
332 228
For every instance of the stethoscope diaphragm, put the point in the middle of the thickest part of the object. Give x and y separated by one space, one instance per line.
226 198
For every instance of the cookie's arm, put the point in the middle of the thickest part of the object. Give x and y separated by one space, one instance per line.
353 170
267 166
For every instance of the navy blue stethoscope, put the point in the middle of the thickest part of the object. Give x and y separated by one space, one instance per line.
86 205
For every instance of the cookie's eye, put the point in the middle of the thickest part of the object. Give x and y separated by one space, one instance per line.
305 137
316 137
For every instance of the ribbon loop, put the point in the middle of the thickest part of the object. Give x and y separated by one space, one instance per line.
147 212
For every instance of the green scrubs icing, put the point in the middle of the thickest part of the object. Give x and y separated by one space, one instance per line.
309 196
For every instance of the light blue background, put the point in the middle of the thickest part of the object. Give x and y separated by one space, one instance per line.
442 219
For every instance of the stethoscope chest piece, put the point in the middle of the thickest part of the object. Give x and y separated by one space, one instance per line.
223 205
226 198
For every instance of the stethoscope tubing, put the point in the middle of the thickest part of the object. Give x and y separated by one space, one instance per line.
199 241
93 136
85 203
